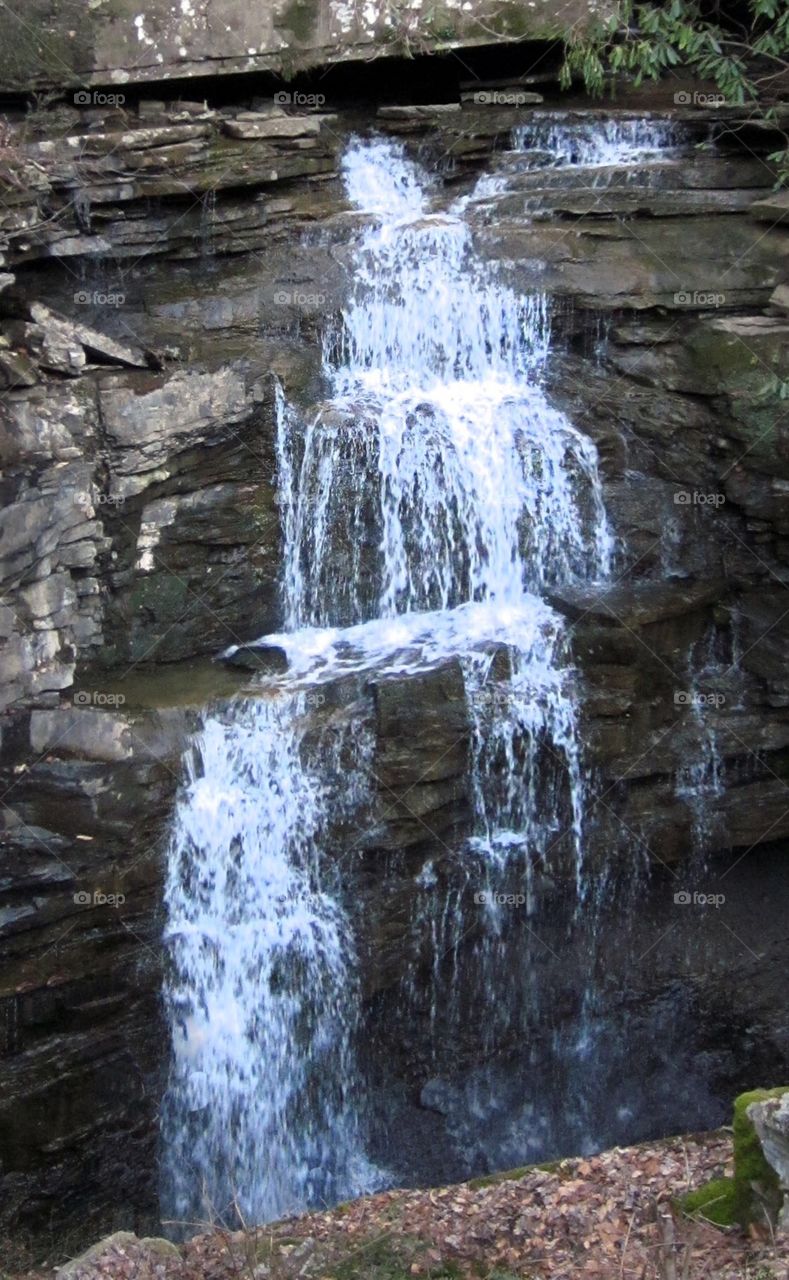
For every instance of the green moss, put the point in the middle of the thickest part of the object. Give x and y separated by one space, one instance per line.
714 1202
754 1192
756 1187
514 1175
382 1259
301 17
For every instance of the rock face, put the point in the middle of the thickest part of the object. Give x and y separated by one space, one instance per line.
118 42
165 271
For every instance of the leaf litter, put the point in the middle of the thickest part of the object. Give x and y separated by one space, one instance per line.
612 1216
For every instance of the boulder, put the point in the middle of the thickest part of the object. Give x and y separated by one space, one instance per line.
122 1248
770 1119
267 658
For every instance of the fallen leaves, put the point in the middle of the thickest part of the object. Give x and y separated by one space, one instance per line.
605 1217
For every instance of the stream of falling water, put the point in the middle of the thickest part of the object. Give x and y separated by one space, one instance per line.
609 141
426 505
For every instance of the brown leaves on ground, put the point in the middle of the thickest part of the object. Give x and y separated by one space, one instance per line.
606 1217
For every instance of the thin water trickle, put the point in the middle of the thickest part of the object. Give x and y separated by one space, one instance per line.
425 506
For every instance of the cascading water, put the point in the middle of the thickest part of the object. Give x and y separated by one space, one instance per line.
263 1000
608 141
425 506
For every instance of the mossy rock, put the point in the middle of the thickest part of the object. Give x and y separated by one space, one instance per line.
754 1193
756 1188
714 1202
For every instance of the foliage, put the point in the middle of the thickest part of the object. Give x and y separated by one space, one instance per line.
742 49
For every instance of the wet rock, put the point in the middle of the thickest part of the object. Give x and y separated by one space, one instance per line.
17 369
780 297
146 424
267 658
412 112
59 333
773 208
439 1095
251 125
634 606
85 732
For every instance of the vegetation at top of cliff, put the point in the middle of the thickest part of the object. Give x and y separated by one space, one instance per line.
741 47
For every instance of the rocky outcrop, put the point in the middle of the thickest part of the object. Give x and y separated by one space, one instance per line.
117 44
120 1250
172 265
770 1119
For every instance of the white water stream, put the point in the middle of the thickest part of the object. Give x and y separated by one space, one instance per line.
607 141
426 505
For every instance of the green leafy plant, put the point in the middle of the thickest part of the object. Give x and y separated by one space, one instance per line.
741 49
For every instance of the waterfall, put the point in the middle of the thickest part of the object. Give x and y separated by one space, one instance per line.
438 473
609 141
263 1000
426 504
